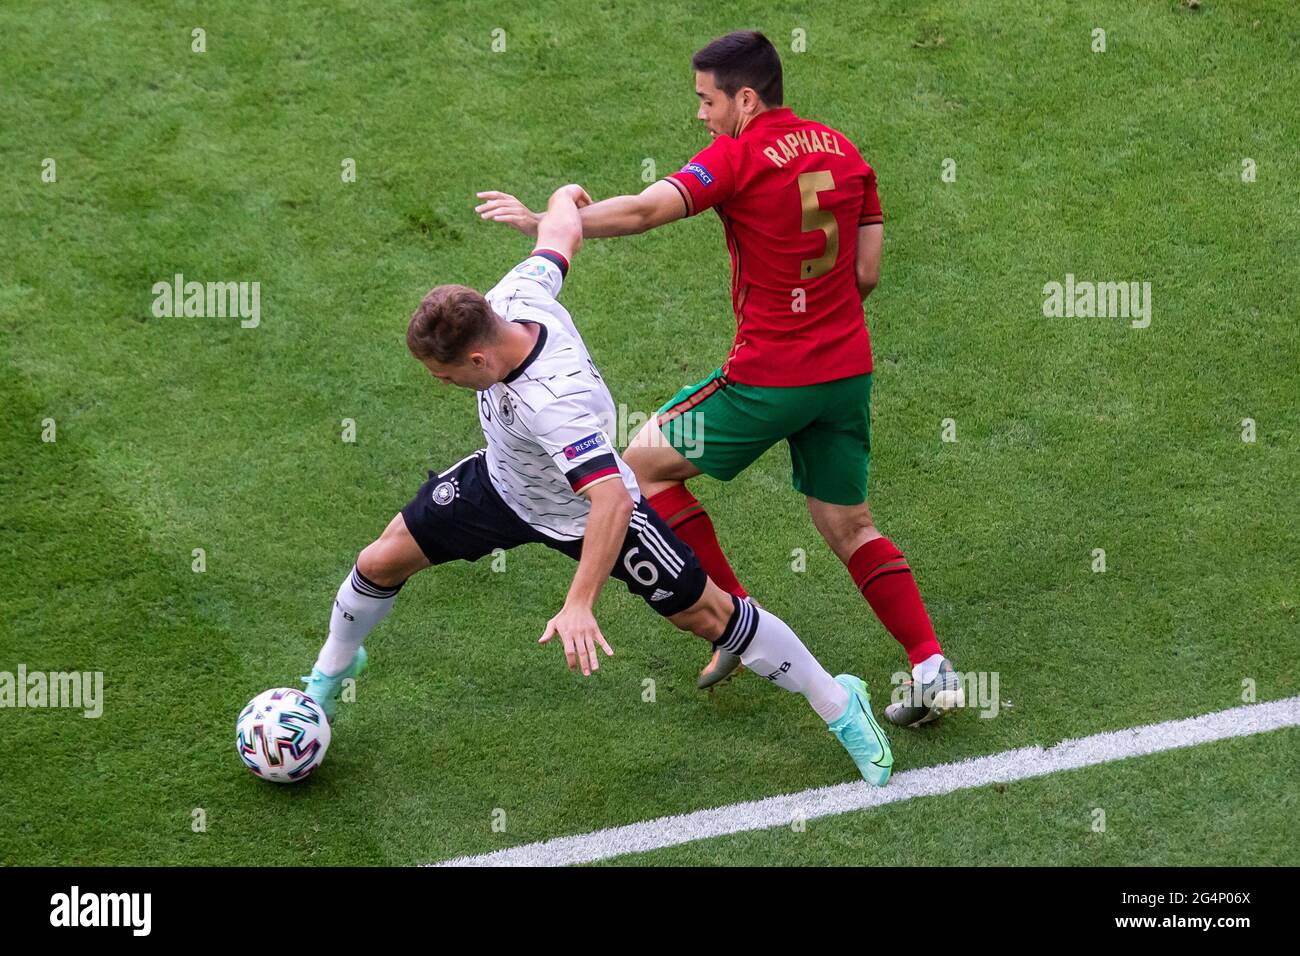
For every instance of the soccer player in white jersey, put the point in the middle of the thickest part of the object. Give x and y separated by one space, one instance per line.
550 475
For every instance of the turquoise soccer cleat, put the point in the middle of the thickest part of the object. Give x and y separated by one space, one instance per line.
861 736
325 689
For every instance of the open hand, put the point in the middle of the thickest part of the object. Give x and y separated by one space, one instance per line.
503 207
581 635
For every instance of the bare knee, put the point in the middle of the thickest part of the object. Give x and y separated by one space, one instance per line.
656 464
845 527
708 617
640 461
392 557
375 564
641 458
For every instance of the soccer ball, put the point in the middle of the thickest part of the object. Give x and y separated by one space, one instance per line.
282 735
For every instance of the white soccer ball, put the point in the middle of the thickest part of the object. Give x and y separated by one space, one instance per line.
282 735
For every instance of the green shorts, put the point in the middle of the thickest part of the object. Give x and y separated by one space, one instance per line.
721 427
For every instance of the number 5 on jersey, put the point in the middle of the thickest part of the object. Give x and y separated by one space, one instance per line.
815 217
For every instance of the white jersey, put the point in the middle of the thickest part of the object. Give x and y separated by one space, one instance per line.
548 423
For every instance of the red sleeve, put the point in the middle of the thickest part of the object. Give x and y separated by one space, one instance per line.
709 178
870 213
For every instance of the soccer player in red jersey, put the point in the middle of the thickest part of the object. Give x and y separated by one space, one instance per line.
804 229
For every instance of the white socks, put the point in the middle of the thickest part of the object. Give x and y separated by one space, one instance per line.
358 607
926 671
769 648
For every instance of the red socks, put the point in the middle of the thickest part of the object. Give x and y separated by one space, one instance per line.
690 522
878 569
882 575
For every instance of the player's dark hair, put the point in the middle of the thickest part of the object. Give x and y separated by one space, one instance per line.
451 320
743 58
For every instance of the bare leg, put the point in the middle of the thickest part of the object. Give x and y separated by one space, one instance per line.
883 576
767 646
662 472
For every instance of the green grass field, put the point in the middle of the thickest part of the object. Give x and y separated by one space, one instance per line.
1073 434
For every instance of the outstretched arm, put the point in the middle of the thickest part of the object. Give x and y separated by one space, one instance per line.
611 510
657 204
560 229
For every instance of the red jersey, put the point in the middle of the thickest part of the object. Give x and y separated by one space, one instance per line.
791 194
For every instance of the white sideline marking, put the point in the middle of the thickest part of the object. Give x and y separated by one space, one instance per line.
1004 767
